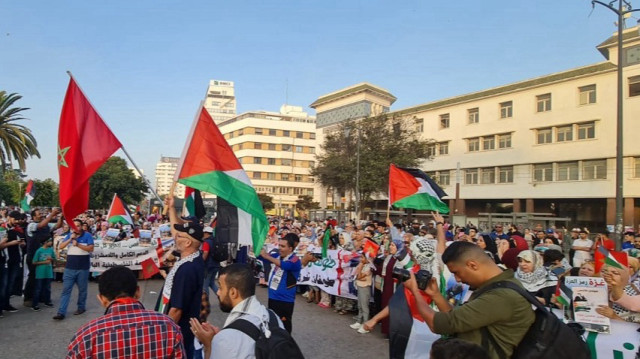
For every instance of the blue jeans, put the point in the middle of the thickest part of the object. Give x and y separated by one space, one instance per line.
80 277
7 282
42 290
210 280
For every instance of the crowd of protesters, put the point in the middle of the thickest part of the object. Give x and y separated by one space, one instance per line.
537 258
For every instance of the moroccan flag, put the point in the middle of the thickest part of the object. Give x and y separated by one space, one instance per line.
149 268
412 188
118 212
193 205
29 193
604 256
209 165
326 238
370 248
84 144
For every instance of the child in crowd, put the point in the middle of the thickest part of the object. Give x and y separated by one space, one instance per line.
43 261
363 284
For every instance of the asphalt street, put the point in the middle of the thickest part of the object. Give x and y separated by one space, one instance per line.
320 333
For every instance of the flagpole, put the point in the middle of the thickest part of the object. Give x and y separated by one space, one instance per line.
121 145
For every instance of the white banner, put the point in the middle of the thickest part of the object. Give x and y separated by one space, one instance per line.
333 274
622 343
125 253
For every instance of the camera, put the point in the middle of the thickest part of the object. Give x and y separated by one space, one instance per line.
317 255
422 277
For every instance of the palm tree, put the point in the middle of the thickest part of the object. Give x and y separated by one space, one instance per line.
15 140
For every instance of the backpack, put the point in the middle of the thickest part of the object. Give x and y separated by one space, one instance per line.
548 336
279 345
218 250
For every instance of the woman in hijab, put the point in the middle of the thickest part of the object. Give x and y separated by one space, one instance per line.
384 282
535 278
509 257
488 245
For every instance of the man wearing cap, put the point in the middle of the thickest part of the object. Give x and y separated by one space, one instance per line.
182 291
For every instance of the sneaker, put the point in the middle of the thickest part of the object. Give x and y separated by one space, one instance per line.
362 331
356 325
79 311
36 308
50 305
11 309
58 317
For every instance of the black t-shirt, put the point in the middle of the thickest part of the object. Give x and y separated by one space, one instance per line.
14 253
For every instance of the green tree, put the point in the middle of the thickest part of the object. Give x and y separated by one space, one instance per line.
115 177
266 201
304 203
47 194
383 140
10 187
16 140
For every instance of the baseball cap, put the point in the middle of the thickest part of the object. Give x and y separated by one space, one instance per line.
550 230
191 228
190 218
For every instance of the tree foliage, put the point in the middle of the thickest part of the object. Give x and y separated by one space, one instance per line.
266 201
383 140
10 186
16 141
47 194
115 177
305 202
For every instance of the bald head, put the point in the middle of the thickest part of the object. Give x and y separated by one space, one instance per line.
462 251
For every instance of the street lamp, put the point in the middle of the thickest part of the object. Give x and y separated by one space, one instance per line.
621 11
347 131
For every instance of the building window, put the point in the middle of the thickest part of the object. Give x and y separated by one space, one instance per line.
443 148
444 121
471 176
474 115
564 134
488 175
299 149
257 175
257 160
286 148
543 103
271 161
634 86
286 162
257 146
241 132
312 136
258 131
419 123
543 172
299 134
587 94
431 150
272 132
567 171
473 144
271 176
444 178
505 174
636 167
504 141
586 130
544 136
298 178
284 177
240 146
272 146
506 109
489 143
594 169
286 133
312 150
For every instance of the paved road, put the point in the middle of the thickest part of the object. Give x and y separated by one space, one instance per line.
321 333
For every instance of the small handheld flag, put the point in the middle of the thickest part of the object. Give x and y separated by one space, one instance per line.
149 268
611 258
118 212
412 188
29 194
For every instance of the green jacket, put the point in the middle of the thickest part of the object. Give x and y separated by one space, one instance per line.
505 313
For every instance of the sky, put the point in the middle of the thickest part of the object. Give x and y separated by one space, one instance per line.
145 65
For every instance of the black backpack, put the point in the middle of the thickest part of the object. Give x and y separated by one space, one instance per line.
548 336
218 250
279 345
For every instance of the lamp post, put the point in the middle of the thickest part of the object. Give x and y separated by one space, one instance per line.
347 131
621 11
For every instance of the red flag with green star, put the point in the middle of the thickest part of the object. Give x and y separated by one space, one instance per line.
84 144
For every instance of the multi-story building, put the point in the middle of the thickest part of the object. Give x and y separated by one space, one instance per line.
543 145
277 150
165 169
220 100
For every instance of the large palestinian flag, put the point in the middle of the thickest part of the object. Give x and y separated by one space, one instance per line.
412 188
118 212
209 165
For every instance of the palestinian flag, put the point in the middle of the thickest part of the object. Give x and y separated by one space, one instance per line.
404 259
412 188
208 164
29 193
325 241
563 293
409 335
604 256
370 248
118 212
193 205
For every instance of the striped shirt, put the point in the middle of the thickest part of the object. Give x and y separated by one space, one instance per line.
127 330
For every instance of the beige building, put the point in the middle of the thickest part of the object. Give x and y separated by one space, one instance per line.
277 150
220 100
545 145
165 169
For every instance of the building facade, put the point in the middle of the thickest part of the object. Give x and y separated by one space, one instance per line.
543 145
165 169
220 100
277 150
